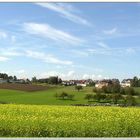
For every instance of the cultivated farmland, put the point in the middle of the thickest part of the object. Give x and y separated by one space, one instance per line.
23 87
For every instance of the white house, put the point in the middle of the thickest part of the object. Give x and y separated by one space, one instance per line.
126 83
3 80
83 85
102 83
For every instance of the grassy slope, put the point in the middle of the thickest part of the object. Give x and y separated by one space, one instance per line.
43 97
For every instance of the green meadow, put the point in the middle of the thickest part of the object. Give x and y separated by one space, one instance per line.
46 97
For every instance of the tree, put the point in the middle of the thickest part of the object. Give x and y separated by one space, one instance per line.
129 91
130 100
122 91
78 87
97 96
91 84
28 81
103 96
34 80
59 80
135 82
53 80
100 90
89 96
108 97
105 89
10 77
116 98
116 88
63 95
139 83
94 89
14 78
3 75
70 96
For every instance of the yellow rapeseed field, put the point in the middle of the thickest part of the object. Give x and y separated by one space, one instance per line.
68 121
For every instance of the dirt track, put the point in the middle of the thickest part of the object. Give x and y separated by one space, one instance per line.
23 87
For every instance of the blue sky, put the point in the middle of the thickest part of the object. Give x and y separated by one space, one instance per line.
71 40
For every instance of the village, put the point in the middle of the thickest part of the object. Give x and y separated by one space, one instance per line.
97 83
86 82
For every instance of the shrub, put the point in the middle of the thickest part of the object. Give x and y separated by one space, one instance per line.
64 95
78 87
129 91
116 98
89 96
130 100
70 96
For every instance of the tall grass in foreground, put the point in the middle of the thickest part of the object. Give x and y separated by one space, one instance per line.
68 121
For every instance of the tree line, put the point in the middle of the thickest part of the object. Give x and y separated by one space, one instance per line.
51 80
116 88
127 100
7 77
135 82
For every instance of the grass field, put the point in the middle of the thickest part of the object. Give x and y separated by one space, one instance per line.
45 97
68 121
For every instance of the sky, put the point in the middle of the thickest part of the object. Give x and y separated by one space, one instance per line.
70 40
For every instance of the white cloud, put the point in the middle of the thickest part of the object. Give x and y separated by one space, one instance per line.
22 71
13 39
111 31
99 76
103 45
99 51
3 35
3 71
92 76
47 58
71 73
64 76
2 58
51 73
11 53
45 30
65 10
86 76
80 53
130 50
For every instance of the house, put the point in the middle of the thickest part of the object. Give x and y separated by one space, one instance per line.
3 80
68 83
77 82
102 83
20 81
83 85
126 83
